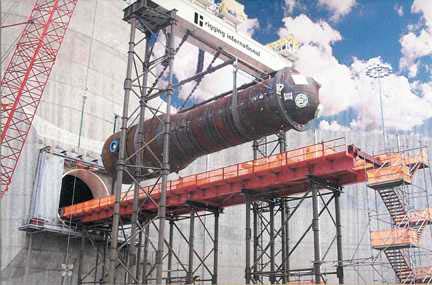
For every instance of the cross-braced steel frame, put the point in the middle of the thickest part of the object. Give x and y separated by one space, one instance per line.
128 252
268 228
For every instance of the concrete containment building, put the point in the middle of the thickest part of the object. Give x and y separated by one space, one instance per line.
300 206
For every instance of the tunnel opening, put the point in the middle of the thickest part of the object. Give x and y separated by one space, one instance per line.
73 191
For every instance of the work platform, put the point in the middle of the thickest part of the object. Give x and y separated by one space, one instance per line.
284 174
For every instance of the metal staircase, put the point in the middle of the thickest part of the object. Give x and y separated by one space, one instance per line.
407 227
394 204
400 265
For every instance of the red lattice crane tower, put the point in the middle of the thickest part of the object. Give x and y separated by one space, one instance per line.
26 76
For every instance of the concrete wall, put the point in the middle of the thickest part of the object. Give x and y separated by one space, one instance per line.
92 63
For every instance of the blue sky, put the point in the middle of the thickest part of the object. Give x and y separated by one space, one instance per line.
370 29
339 40
373 27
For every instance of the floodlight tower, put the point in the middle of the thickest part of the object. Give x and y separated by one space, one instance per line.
379 71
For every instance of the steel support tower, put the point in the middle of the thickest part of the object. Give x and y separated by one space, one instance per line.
268 231
140 249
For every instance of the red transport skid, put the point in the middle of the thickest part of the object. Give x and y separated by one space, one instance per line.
283 174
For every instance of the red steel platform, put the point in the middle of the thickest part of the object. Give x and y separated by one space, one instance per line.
278 175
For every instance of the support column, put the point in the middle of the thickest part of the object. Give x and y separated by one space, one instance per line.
120 165
104 258
340 271
272 242
256 244
165 158
248 242
145 251
282 141
96 264
170 250
81 257
283 240
133 250
287 241
189 276
316 235
139 254
215 248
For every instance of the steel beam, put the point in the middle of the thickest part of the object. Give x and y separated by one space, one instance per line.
133 251
248 241
170 250
272 242
81 257
120 166
215 249
283 241
165 158
145 252
256 242
340 270
316 234
189 276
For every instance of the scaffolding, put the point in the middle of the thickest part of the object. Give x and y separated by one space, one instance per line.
134 249
399 215
135 246
269 233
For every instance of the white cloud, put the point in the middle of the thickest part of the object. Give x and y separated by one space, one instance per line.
290 5
332 126
249 26
399 9
186 61
424 7
402 107
416 44
338 8
347 86
305 31
415 47
316 60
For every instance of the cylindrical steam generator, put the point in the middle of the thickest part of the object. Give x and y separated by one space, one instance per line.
287 100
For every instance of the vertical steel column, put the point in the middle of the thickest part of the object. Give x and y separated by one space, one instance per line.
81 257
248 241
170 250
283 240
189 277
145 251
97 264
104 253
316 235
340 271
133 251
287 240
255 149
120 165
255 238
272 242
165 158
282 141
215 248
138 260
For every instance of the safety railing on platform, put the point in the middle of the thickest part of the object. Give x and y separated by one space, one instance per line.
221 175
398 167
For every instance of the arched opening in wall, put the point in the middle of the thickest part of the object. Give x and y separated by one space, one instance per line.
80 185
73 191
